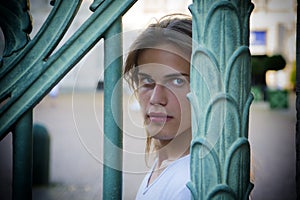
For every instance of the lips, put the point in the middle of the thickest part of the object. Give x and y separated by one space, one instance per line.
158 117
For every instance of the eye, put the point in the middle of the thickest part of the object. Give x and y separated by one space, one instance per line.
178 81
146 82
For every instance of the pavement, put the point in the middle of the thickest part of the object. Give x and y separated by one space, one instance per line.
75 121
272 139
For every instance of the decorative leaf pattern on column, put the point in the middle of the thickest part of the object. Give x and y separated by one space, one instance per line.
15 22
220 98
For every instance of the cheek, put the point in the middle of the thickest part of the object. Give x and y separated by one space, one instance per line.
184 107
187 111
181 100
143 100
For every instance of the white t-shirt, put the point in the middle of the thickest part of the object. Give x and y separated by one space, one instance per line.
171 183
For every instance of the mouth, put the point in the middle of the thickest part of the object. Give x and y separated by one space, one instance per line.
159 117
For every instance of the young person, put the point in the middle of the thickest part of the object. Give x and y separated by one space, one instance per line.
158 69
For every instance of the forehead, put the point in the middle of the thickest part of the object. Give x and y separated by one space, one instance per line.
163 60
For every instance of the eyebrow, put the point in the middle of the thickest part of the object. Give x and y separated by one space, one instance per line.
176 75
167 76
143 74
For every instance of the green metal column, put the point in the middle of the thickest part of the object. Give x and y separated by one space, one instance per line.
113 114
220 98
22 158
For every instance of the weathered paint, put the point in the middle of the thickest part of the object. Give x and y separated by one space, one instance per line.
220 97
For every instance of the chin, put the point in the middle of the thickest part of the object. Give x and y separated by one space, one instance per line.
163 137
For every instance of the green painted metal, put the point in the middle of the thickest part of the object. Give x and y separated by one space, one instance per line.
113 113
22 157
220 88
16 24
220 92
29 70
21 69
27 82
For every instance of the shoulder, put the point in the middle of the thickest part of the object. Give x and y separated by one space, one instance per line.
179 171
177 176
171 184
181 166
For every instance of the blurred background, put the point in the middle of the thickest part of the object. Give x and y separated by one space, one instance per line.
72 112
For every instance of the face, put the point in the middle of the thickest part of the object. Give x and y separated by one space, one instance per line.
163 83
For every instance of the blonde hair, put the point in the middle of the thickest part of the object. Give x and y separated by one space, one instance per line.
174 29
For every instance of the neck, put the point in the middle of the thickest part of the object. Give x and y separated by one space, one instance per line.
171 150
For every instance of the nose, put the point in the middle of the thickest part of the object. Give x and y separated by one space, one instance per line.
159 95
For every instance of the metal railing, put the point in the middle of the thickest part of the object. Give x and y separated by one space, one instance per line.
220 97
30 69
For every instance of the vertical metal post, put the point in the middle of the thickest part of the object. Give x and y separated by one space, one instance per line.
22 157
298 102
220 98
113 114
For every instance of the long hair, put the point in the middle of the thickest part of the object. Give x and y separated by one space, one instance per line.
175 30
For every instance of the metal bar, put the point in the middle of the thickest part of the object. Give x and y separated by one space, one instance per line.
220 92
32 88
113 114
298 102
43 44
22 158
